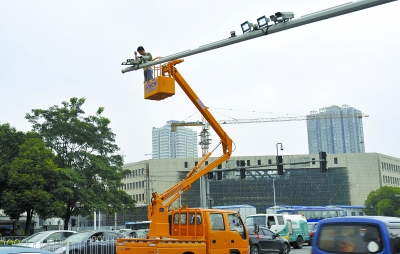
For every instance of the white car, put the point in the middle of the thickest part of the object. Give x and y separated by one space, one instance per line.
44 238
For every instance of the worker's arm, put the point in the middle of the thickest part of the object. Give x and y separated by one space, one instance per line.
147 57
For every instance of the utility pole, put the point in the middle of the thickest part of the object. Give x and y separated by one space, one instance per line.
205 141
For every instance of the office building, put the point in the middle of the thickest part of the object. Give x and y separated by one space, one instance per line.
336 130
348 180
169 143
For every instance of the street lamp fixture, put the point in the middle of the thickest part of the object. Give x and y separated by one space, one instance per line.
262 21
246 27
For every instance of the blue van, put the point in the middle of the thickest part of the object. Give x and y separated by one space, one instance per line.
357 234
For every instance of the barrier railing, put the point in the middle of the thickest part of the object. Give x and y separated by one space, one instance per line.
93 245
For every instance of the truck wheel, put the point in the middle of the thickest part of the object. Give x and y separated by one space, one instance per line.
254 249
299 243
285 249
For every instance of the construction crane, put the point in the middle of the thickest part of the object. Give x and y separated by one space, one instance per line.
274 119
205 135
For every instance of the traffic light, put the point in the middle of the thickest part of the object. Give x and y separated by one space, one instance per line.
210 175
242 170
322 163
219 175
279 165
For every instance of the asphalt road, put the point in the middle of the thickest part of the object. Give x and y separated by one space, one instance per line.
305 250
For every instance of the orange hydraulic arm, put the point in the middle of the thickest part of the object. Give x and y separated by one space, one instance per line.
157 210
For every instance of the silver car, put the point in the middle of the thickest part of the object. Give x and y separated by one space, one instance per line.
44 238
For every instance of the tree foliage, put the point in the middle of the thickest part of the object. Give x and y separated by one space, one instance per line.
31 178
10 140
86 152
384 201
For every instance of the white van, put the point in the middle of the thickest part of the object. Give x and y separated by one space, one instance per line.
292 227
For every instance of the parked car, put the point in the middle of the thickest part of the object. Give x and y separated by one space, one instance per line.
13 249
265 241
134 233
312 226
86 242
43 238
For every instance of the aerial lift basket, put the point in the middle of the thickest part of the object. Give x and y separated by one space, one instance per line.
160 87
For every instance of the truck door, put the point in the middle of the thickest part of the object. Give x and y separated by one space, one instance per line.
219 234
238 239
272 224
282 230
290 227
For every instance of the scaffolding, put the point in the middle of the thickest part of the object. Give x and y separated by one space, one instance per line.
298 187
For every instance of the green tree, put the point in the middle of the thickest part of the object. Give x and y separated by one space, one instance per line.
86 151
384 201
32 176
10 140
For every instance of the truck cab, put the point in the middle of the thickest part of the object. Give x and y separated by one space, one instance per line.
195 231
221 229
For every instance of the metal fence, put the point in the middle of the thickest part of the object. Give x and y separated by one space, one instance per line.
94 245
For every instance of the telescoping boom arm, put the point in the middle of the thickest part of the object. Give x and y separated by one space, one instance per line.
158 209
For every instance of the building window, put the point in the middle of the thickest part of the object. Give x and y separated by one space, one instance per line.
335 161
353 213
259 162
248 163
219 166
195 163
361 214
186 164
206 163
269 161
313 161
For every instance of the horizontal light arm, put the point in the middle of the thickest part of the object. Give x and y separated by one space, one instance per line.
304 20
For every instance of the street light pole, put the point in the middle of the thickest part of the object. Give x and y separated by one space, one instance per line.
273 185
277 162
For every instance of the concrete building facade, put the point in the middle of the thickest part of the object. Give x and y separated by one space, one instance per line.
349 180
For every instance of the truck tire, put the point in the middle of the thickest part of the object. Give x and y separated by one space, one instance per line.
299 243
254 249
285 249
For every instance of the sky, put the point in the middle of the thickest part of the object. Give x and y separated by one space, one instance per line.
51 51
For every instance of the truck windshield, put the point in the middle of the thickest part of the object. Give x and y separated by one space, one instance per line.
356 238
259 220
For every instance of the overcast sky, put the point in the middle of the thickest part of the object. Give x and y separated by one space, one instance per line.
51 51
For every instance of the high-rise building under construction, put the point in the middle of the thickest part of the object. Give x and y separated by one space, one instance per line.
333 131
180 143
